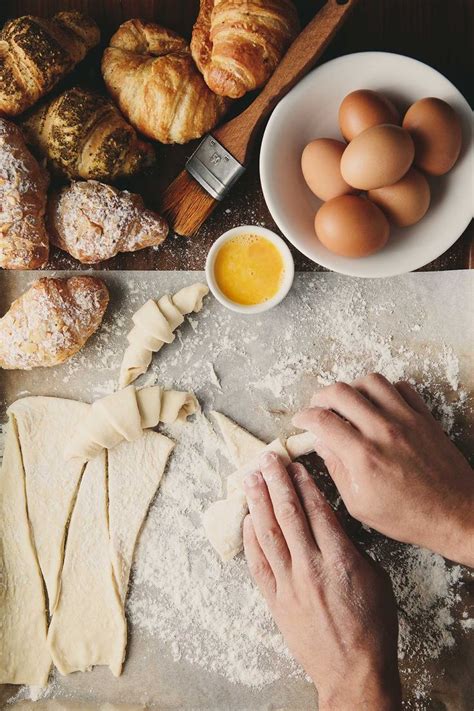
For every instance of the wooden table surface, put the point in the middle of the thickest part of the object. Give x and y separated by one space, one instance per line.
437 32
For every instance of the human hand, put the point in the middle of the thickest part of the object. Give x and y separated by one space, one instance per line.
334 607
395 468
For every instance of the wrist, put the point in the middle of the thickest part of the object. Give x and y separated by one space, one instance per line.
364 688
453 537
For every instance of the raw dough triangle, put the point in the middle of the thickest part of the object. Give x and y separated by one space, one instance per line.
135 470
241 445
88 626
24 657
44 425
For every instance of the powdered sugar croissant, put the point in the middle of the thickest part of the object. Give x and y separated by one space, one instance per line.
154 326
51 321
150 73
94 221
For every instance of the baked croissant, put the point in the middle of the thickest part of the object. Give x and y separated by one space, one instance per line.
51 321
83 135
36 53
150 73
23 184
94 221
237 44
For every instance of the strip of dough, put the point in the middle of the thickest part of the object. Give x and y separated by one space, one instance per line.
154 324
88 626
135 471
24 657
44 423
223 519
124 415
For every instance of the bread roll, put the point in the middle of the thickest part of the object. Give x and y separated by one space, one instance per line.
36 53
151 75
83 135
93 221
23 184
238 43
51 321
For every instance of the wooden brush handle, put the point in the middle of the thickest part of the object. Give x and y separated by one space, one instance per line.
238 134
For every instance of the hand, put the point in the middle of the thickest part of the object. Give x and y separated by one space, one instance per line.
334 607
395 468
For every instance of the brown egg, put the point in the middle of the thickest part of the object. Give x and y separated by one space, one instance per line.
436 131
351 226
405 202
363 109
378 156
320 163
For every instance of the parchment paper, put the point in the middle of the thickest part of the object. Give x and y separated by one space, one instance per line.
242 366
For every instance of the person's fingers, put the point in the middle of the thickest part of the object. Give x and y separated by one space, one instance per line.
333 436
349 403
330 537
412 398
385 396
258 565
267 530
287 506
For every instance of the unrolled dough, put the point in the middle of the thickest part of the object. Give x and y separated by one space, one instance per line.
24 657
135 470
44 424
124 415
88 625
154 324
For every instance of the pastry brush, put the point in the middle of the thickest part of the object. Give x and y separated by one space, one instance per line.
221 157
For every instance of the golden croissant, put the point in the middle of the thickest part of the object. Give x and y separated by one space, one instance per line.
151 75
35 53
238 43
83 135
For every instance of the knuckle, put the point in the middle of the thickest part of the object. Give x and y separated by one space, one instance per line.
377 379
258 569
312 568
271 537
324 417
340 388
287 510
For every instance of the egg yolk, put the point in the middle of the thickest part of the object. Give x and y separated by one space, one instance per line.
248 269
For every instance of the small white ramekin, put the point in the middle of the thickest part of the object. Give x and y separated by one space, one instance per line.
288 274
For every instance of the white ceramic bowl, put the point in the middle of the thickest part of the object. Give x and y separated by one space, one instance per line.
310 111
286 282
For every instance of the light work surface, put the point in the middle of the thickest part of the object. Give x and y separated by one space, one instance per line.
200 636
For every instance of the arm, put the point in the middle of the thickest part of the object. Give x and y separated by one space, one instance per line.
395 468
334 606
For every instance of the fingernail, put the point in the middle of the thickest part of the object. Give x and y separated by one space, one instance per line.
251 479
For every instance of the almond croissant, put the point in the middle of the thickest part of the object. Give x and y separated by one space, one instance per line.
36 53
151 75
51 321
237 44
93 221
23 185
83 135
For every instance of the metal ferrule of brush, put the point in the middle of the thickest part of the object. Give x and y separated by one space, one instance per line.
214 168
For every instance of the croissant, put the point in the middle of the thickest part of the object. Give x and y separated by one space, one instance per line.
36 53
51 321
154 324
23 185
83 135
125 415
237 44
151 75
94 221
